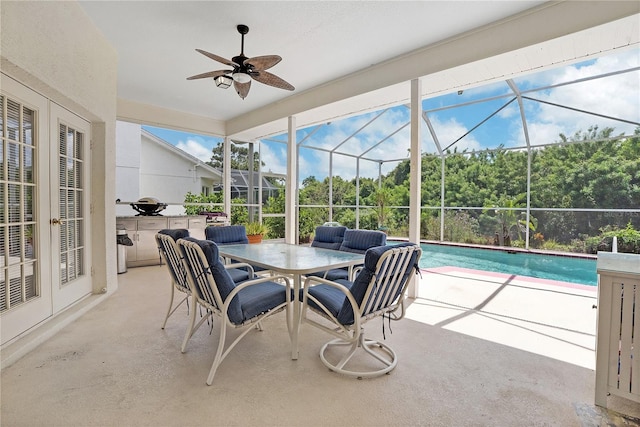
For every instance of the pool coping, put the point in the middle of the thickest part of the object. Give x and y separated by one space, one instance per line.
509 249
528 279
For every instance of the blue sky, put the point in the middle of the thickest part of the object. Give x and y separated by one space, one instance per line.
615 96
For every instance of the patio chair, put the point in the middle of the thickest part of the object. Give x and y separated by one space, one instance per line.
328 237
356 241
240 305
168 247
229 235
378 290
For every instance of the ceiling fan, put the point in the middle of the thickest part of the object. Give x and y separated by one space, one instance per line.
244 69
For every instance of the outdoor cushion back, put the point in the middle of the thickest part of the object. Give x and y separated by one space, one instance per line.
358 241
389 279
172 256
223 280
227 235
328 237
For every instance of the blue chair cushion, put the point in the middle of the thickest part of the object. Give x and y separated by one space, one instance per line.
222 279
227 235
361 283
331 298
260 298
328 237
175 234
238 274
249 302
358 241
180 276
334 275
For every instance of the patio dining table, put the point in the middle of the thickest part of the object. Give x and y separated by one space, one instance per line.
293 260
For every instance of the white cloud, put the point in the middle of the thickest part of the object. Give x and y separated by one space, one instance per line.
450 130
613 96
274 156
196 149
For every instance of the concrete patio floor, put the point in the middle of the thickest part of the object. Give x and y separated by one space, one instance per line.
475 349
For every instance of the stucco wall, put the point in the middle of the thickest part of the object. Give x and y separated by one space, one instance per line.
127 165
53 48
166 176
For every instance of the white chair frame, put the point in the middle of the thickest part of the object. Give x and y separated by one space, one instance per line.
172 256
202 281
397 261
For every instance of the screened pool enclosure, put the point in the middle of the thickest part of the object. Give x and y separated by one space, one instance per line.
547 160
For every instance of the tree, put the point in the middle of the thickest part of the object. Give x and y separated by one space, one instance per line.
239 157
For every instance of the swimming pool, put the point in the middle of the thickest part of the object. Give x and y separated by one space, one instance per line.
552 267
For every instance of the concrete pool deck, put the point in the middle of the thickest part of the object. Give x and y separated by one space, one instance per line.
474 349
545 317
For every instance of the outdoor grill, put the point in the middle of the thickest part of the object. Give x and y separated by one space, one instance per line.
148 206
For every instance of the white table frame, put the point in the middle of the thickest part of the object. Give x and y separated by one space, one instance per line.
294 260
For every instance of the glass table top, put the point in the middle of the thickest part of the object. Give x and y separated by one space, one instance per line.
292 259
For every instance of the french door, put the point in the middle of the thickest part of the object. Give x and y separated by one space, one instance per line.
69 207
44 227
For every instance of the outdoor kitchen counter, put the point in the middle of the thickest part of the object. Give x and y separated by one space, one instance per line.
142 232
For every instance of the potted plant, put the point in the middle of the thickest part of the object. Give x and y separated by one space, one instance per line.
255 231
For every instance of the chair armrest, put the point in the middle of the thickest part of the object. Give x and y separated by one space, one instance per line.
354 305
354 272
324 281
240 265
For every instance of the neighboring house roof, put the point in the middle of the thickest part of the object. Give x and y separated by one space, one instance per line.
166 145
240 179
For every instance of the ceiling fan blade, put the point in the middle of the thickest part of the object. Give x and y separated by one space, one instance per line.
242 88
212 74
217 58
271 80
263 62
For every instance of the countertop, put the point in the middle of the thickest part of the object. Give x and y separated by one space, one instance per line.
159 216
618 262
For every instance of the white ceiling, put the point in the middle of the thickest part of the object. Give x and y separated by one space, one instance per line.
342 56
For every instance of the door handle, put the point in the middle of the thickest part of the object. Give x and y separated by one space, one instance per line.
56 221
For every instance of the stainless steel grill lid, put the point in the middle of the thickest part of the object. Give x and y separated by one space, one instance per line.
149 206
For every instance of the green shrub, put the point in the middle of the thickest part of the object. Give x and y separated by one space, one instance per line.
628 240
213 201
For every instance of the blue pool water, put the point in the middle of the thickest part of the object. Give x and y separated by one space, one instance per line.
565 269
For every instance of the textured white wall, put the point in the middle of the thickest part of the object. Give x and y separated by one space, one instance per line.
127 165
166 176
54 48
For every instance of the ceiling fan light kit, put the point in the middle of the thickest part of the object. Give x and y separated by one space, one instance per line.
241 77
244 70
223 82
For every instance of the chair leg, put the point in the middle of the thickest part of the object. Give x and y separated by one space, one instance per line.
390 360
190 330
173 290
218 359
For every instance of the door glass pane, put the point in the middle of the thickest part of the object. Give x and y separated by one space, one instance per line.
71 207
13 162
2 116
28 165
28 117
18 153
